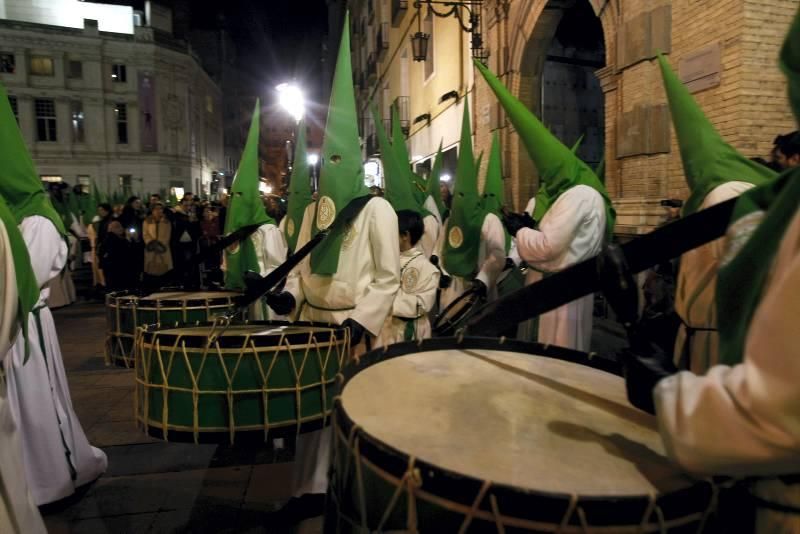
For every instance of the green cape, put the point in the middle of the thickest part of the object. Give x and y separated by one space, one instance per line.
559 168
246 208
494 196
463 233
433 185
397 180
19 181
27 288
299 190
708 161
342 175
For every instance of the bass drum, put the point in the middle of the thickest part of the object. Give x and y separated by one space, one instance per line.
489 436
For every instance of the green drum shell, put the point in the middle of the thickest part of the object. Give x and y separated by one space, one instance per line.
375 487
125 312
240 383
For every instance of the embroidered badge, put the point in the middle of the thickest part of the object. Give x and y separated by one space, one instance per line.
326 212
410 279
290 227
455 237
739 234
350 234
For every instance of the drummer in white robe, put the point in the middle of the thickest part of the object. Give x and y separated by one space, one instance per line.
474 242
350 278
18 294
715 172
572 218
56 454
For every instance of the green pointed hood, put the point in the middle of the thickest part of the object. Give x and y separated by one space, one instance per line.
19 181
396 172
463 237
245 209
790 64
559 169
433 185
27 288
494 196
403 158
600 170
299 189
342 175
708 161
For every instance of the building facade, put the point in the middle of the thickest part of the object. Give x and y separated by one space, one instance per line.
587 69
131 112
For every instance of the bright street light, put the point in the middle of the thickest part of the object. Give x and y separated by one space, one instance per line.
312 159
290 97
444 178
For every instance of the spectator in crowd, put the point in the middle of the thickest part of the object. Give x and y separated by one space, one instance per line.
155 198
116 211
185 235
447 196
786 152
210 231
117 259
157 254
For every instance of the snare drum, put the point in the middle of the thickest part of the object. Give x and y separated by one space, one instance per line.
125 312
457 313
484 436
214 382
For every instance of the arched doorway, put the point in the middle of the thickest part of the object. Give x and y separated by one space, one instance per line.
558 81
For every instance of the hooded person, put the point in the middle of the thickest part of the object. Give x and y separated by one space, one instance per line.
433 196
56 455
715 172
299 192
572 218
352 275
741 418
264 249
18 296
473 249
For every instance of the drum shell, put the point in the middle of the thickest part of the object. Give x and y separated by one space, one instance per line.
125 312
238 385
373 476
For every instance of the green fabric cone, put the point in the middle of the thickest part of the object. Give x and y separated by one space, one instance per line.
27 288
494 196
396 173
708 161
403 158
342 175
19 181
463 237
299 190
790 64
434 184
246 208
600 170
559 168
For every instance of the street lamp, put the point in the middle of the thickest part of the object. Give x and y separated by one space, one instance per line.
468 14
312 160
290 97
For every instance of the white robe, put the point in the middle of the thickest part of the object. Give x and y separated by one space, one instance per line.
363 289
38 391
695 293
745 420
572 230
491 261
271 252
18 512
433 226
419 280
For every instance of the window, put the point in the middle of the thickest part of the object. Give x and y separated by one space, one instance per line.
126 183
209 104
45 119
42 65
118 73
51 179
86 181
7 63
78 135
428 28
14 107
75 70
121 114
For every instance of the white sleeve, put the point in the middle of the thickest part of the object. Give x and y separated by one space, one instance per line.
9 298
744 420
556 230
493 238
272 246
430 236
46 246
375 305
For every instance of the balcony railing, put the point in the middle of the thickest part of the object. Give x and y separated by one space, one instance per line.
399 8
382 41
372 67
